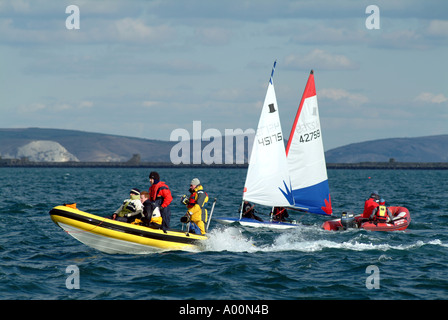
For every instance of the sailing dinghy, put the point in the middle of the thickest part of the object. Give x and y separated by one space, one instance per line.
295 178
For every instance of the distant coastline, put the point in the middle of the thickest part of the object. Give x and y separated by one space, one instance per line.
391 165
97 149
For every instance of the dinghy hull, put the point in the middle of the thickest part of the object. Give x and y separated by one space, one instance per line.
257 224
112 236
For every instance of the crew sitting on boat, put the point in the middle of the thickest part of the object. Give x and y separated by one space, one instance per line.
370 204
381 213
151 211
249 211
196 213
131 209
279 214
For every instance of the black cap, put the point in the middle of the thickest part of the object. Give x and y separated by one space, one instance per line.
154 175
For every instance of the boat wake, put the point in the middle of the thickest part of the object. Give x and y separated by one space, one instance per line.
303 239
229 239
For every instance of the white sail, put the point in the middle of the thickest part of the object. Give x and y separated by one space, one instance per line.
306 158
267 180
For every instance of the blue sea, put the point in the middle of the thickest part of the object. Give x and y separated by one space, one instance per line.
36 256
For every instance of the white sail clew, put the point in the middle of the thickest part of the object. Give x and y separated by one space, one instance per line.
268 169
306 158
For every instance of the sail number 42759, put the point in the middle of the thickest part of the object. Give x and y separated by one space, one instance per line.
307 137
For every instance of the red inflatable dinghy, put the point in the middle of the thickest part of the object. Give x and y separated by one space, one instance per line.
401 221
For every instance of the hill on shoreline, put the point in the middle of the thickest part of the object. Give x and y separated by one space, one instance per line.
86 146
420 149
53 145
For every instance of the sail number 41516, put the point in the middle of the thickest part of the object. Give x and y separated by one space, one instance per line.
271 139
307 137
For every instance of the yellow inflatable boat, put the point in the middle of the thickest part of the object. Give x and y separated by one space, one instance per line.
112 236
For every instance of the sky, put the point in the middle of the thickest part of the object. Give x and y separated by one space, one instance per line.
146 68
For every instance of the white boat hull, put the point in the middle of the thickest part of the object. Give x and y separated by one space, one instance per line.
257 224
106 244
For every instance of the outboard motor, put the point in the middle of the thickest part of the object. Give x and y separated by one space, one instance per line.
348 220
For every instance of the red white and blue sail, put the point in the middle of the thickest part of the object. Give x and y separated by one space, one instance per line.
306 158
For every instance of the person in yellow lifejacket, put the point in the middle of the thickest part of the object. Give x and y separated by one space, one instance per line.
195 205
131 209
381 213
152 218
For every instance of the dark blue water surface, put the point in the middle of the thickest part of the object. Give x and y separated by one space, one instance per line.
236 263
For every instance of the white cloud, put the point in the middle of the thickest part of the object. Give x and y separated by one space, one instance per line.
229 94
431 97
213 36
328 34
54 107
150 104
319 59
85 104
353 99
20 29
135 30
438 28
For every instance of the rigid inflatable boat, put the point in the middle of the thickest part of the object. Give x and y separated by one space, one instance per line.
401 221
113 236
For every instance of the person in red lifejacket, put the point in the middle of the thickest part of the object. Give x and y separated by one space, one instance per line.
370 204
280 214
160 195
381 213
248 211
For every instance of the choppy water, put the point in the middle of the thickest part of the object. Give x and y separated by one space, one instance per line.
307 263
